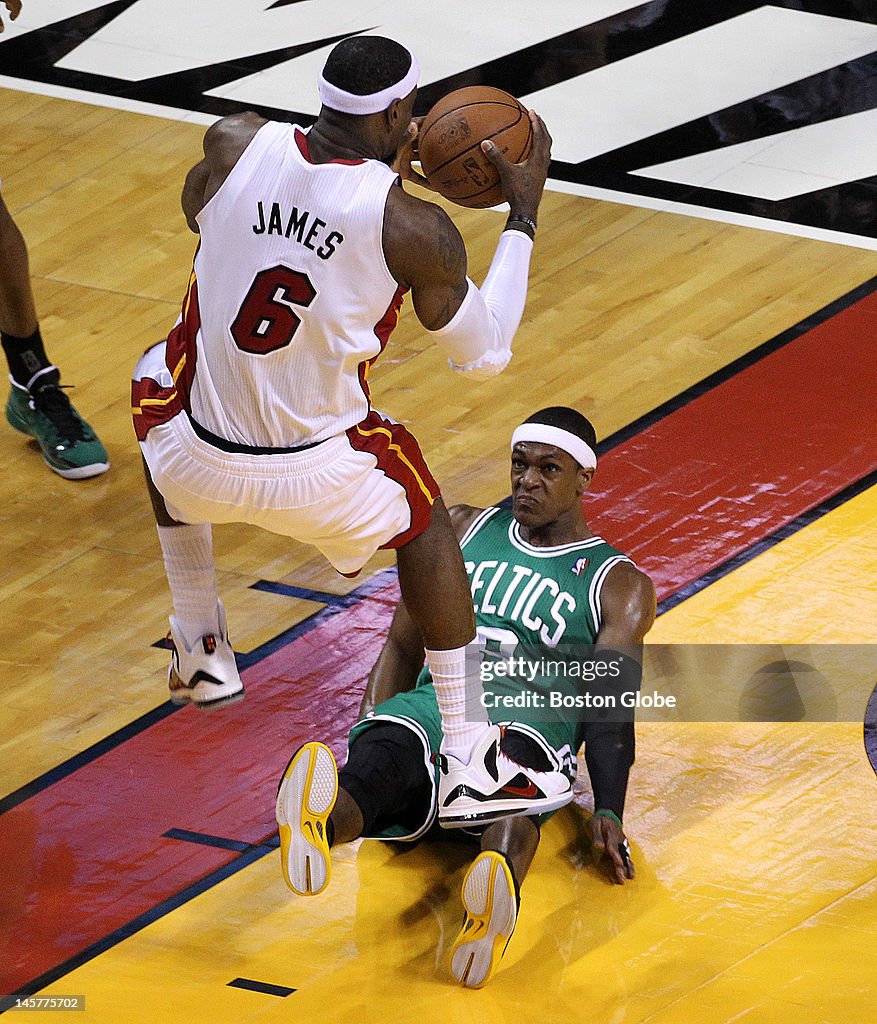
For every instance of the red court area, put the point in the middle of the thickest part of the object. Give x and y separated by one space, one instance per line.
747 457
85 856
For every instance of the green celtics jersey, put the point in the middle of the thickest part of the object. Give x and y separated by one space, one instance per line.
542 603
543 596
532 599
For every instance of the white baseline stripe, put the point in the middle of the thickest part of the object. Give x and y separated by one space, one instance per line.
744 220
100 99
97 99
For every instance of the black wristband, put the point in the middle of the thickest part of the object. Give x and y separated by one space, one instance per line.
518 218
610 748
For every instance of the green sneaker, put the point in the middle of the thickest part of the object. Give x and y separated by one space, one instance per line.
68 443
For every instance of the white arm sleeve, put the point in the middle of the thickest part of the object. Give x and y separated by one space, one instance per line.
478 338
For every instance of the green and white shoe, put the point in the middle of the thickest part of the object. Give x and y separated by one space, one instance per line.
69 446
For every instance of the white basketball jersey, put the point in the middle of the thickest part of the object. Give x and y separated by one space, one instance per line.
293 294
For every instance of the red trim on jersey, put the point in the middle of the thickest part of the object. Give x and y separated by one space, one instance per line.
151 403
182 343
383 329
399 457
301 140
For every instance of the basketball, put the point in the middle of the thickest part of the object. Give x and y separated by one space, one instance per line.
449 144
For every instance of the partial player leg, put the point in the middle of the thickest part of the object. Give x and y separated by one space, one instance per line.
491 899
435 589
203 670
18 315
37 406
477 784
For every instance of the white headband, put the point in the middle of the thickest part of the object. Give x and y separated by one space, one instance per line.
350 103
572 444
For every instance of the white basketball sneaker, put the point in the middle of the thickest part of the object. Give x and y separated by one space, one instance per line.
204 673
305 799
491 905
493 786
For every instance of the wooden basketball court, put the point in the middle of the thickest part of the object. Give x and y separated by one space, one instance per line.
756 893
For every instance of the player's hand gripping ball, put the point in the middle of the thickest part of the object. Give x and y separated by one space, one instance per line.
450 137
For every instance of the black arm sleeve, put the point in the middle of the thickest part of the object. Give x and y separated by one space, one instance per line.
610 749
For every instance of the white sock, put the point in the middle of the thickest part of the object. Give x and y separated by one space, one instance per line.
188 562
458 702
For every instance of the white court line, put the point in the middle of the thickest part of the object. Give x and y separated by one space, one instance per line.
708 213
100 99
571 188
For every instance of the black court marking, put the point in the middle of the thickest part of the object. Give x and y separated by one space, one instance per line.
136 924
205 839
871 730
848 88
759 547
185 835
849 207
34 57
306 593
262 986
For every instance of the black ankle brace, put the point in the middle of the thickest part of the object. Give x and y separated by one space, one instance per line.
26 356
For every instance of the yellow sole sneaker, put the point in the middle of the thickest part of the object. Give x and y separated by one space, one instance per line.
305 800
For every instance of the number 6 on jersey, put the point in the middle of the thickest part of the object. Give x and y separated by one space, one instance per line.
266 320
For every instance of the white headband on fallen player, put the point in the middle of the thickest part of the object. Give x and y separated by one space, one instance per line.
350 103
572 444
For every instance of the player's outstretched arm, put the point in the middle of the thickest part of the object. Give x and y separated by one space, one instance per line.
398 664
14 8
628 606
224 142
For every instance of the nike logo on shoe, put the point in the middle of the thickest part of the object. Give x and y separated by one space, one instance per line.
528 792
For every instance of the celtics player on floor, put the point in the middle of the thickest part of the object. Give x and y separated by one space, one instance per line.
539 576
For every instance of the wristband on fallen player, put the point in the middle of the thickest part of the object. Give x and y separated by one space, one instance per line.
606 813
519 218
